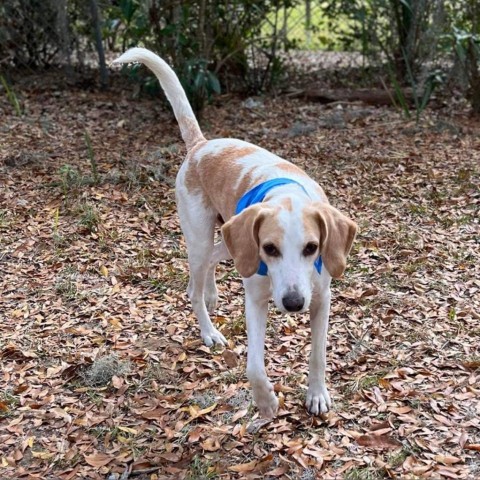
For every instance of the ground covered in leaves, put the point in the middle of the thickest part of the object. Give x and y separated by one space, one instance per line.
103 375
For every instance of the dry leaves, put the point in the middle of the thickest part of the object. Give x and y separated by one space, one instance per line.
98 271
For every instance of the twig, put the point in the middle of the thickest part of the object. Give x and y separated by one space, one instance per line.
359 342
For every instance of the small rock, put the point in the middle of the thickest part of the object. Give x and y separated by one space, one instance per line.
251 103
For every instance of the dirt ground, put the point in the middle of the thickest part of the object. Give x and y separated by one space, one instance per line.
103 373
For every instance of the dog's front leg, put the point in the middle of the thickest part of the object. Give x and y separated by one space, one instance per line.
318 399
220 253
257 294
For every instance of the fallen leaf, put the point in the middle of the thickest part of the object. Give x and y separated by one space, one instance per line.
378 441
239 414
230 357
171 457
277 472
42 455
98 459
244 467
447 459
473 446
117 382
128 430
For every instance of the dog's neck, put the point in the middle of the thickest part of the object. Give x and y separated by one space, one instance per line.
284 193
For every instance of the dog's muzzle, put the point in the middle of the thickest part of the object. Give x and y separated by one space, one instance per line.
293 301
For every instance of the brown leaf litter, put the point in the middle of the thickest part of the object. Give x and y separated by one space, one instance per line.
93 270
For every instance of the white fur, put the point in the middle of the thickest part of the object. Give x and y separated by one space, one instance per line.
291 271
173 89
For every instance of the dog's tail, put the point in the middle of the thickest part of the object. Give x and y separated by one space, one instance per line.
173 89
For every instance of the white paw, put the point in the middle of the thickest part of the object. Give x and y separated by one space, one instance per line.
318 400
213 336
266 401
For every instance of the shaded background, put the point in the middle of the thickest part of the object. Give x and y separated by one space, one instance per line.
409 48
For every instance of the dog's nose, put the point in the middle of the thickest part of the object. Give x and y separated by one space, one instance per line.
293 301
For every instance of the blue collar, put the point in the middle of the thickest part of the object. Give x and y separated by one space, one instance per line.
257 195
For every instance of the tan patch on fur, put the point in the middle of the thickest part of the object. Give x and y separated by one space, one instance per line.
290 168
287 204
245 183
191 132
192 181
270 231
294 170
218 174
310 225
337 233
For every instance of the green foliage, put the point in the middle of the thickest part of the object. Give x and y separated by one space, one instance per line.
201 469
27 33
237 44
421 94
199 82
363 473
126 22
397 31
401 37
66 284
464 37
91 157
11 96
8 403
70 178
88 217
210 44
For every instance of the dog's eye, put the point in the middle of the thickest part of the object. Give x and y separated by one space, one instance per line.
310 249
271 250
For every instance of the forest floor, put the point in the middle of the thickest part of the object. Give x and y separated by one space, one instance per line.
103 374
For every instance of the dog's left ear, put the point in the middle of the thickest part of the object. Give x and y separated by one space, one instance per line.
337 233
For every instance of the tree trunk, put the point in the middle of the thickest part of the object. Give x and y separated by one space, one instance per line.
64 34
99 44
308 22
473 59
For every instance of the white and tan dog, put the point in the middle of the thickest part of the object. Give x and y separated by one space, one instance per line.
278 227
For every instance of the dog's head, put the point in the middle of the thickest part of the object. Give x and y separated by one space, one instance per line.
289 240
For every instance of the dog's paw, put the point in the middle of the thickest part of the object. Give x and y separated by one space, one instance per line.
318 401
266 401
213 336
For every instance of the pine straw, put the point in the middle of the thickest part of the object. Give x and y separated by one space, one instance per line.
103 369
403 355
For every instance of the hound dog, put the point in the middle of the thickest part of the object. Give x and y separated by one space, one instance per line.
285 238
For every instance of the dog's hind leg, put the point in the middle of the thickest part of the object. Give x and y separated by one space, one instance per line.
198 226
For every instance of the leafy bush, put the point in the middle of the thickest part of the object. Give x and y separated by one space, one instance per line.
209 44
27 32
465 39
401 38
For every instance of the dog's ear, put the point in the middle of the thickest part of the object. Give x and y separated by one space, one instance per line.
240 235
337 233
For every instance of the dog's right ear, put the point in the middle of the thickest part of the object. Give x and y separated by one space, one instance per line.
240 235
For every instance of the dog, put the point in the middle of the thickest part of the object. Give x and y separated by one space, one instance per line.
286 240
